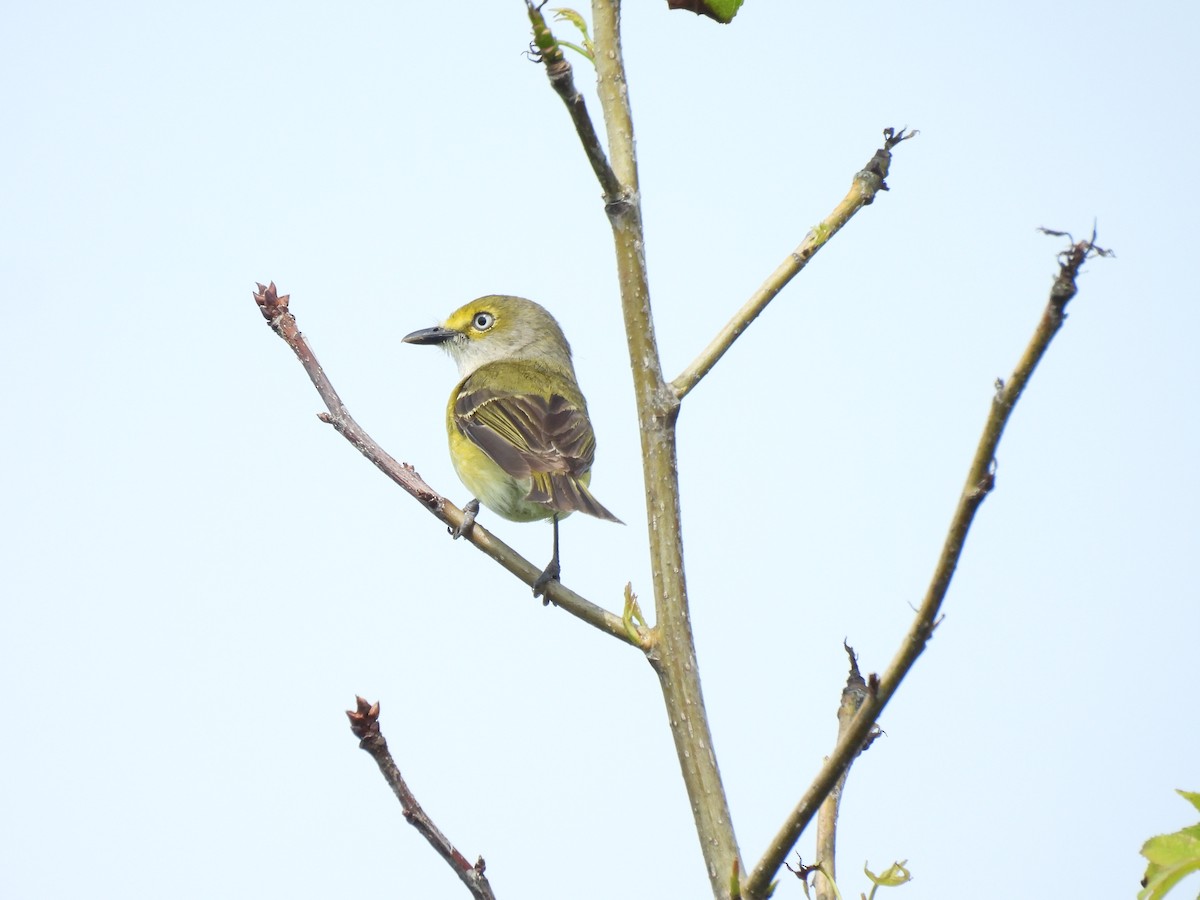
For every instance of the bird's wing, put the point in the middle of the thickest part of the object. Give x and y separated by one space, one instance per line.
527 434
545 437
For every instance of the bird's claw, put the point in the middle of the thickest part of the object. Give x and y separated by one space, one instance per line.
470 511
550 574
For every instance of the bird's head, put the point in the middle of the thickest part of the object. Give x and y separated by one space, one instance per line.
498 328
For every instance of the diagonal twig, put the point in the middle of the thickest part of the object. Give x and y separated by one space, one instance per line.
275 310
980 481
867 183
364 723
547 51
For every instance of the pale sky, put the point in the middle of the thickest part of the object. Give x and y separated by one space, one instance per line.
200 576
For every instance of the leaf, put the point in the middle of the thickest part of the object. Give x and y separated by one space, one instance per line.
588 49
894 876
721 10
1172 857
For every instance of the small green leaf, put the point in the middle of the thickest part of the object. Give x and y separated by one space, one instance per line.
721 10
1172 857
564 14
1173 849
894 876
1164 879
1191 797
588 49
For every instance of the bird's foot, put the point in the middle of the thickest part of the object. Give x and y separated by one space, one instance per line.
470 511
551 573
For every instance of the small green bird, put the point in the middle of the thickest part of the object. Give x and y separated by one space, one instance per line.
520 437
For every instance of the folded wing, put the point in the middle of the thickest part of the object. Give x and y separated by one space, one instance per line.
546 439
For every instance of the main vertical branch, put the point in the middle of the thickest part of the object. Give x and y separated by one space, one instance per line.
674 656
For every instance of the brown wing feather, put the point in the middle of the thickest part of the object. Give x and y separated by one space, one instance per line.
547 439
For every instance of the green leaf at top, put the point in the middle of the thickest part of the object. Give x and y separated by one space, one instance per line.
1191 797
721 10
1172 857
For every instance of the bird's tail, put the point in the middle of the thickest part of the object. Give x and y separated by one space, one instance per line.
565 493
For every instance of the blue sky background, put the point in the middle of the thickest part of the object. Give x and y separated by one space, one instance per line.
199 576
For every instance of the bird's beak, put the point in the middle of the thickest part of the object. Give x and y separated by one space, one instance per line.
435 335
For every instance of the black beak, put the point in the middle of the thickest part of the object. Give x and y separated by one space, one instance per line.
435 335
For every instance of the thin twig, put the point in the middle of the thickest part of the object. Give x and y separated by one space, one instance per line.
980 481
558 70
867 183
364 723
275 309
853 695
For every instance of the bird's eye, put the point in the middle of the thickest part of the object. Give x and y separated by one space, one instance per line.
483 321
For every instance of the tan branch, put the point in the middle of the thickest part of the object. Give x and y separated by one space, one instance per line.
670 649
364 723
980 481
275 309
867 183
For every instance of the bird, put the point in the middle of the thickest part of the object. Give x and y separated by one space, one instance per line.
520 437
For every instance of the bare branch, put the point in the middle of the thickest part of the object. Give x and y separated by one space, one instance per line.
980 481
364 723
275 309
867 183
